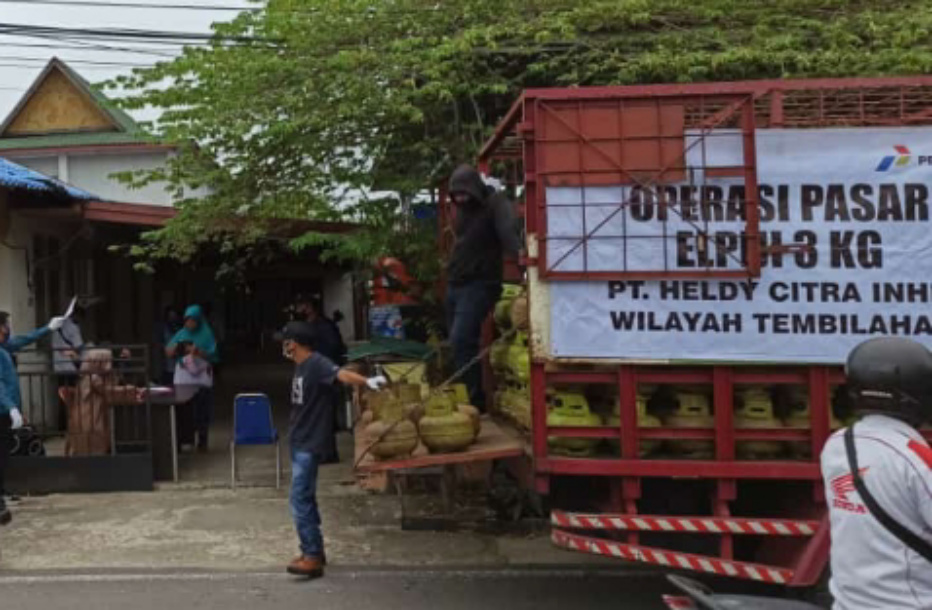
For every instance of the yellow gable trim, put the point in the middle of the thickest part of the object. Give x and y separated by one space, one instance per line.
58 106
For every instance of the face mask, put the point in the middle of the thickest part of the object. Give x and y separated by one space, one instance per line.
288 350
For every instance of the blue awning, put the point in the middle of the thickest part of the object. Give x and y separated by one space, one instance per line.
15 176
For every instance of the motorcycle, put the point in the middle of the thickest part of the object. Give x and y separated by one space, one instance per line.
700 597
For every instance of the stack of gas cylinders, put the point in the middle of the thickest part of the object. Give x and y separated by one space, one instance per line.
399 420
681 406
510 357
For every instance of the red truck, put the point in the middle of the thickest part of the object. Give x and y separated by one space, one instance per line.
705 255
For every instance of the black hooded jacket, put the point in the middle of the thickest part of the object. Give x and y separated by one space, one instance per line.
485 230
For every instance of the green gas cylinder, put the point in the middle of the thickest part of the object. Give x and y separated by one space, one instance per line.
519 359
756 411
571 409
692 411
645 420
800 418
443 428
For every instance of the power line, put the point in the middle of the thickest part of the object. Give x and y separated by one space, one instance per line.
36 67
91 62
77 45
145 5
113 33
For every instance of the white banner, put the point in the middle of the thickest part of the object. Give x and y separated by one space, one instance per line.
856 199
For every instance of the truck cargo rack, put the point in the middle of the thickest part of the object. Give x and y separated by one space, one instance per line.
638 139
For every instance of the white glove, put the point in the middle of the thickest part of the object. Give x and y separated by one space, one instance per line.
17 418
56 323
376 383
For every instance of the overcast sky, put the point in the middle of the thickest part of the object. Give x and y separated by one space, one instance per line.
22 58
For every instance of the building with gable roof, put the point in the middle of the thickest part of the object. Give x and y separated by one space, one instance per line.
66 129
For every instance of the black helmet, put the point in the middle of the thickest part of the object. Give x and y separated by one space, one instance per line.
891 375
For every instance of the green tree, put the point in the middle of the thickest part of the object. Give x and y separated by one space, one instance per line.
350 109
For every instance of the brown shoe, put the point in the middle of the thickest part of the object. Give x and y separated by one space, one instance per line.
310 567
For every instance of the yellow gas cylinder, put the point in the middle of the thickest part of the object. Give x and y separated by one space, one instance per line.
519 359
645 420
521 405
498 398
444 429
756 411
570 409
692 411
498 356
799 417
458 393
509 399
374 402
502 312
407 392
520 313
391 434
458 396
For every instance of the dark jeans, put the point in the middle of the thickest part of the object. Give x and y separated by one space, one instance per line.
6 445
468 305
303 501
203 403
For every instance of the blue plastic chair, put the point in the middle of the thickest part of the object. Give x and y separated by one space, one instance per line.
253 425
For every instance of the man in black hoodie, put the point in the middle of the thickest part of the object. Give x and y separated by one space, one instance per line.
485 233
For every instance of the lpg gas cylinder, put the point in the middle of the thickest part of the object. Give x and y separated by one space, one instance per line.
519 313
458 393
502 312
800 417
455 395
498 356
692 411
645 420
570 409
443 428
519 359
756 411
521 405
393 435
510 400
407 393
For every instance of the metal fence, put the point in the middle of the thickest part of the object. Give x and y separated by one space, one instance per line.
84 404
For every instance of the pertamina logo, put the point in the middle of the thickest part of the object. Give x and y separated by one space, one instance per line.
841 487
902 159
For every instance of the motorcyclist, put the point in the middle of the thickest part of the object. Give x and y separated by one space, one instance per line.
890 380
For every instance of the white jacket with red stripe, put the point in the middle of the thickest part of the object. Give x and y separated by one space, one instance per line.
871 568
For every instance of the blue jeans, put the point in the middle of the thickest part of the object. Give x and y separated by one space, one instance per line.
468 305
303 502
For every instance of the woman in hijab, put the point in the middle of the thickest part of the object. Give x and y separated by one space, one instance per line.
197 333
89 417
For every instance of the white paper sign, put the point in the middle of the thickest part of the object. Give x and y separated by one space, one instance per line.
858 201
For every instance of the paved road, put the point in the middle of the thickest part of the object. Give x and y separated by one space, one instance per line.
340 590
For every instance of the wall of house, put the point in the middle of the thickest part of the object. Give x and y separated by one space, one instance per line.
45 165
15 246
22 283
93 173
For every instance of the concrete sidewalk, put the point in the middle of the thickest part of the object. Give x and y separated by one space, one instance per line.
202 524
210 527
